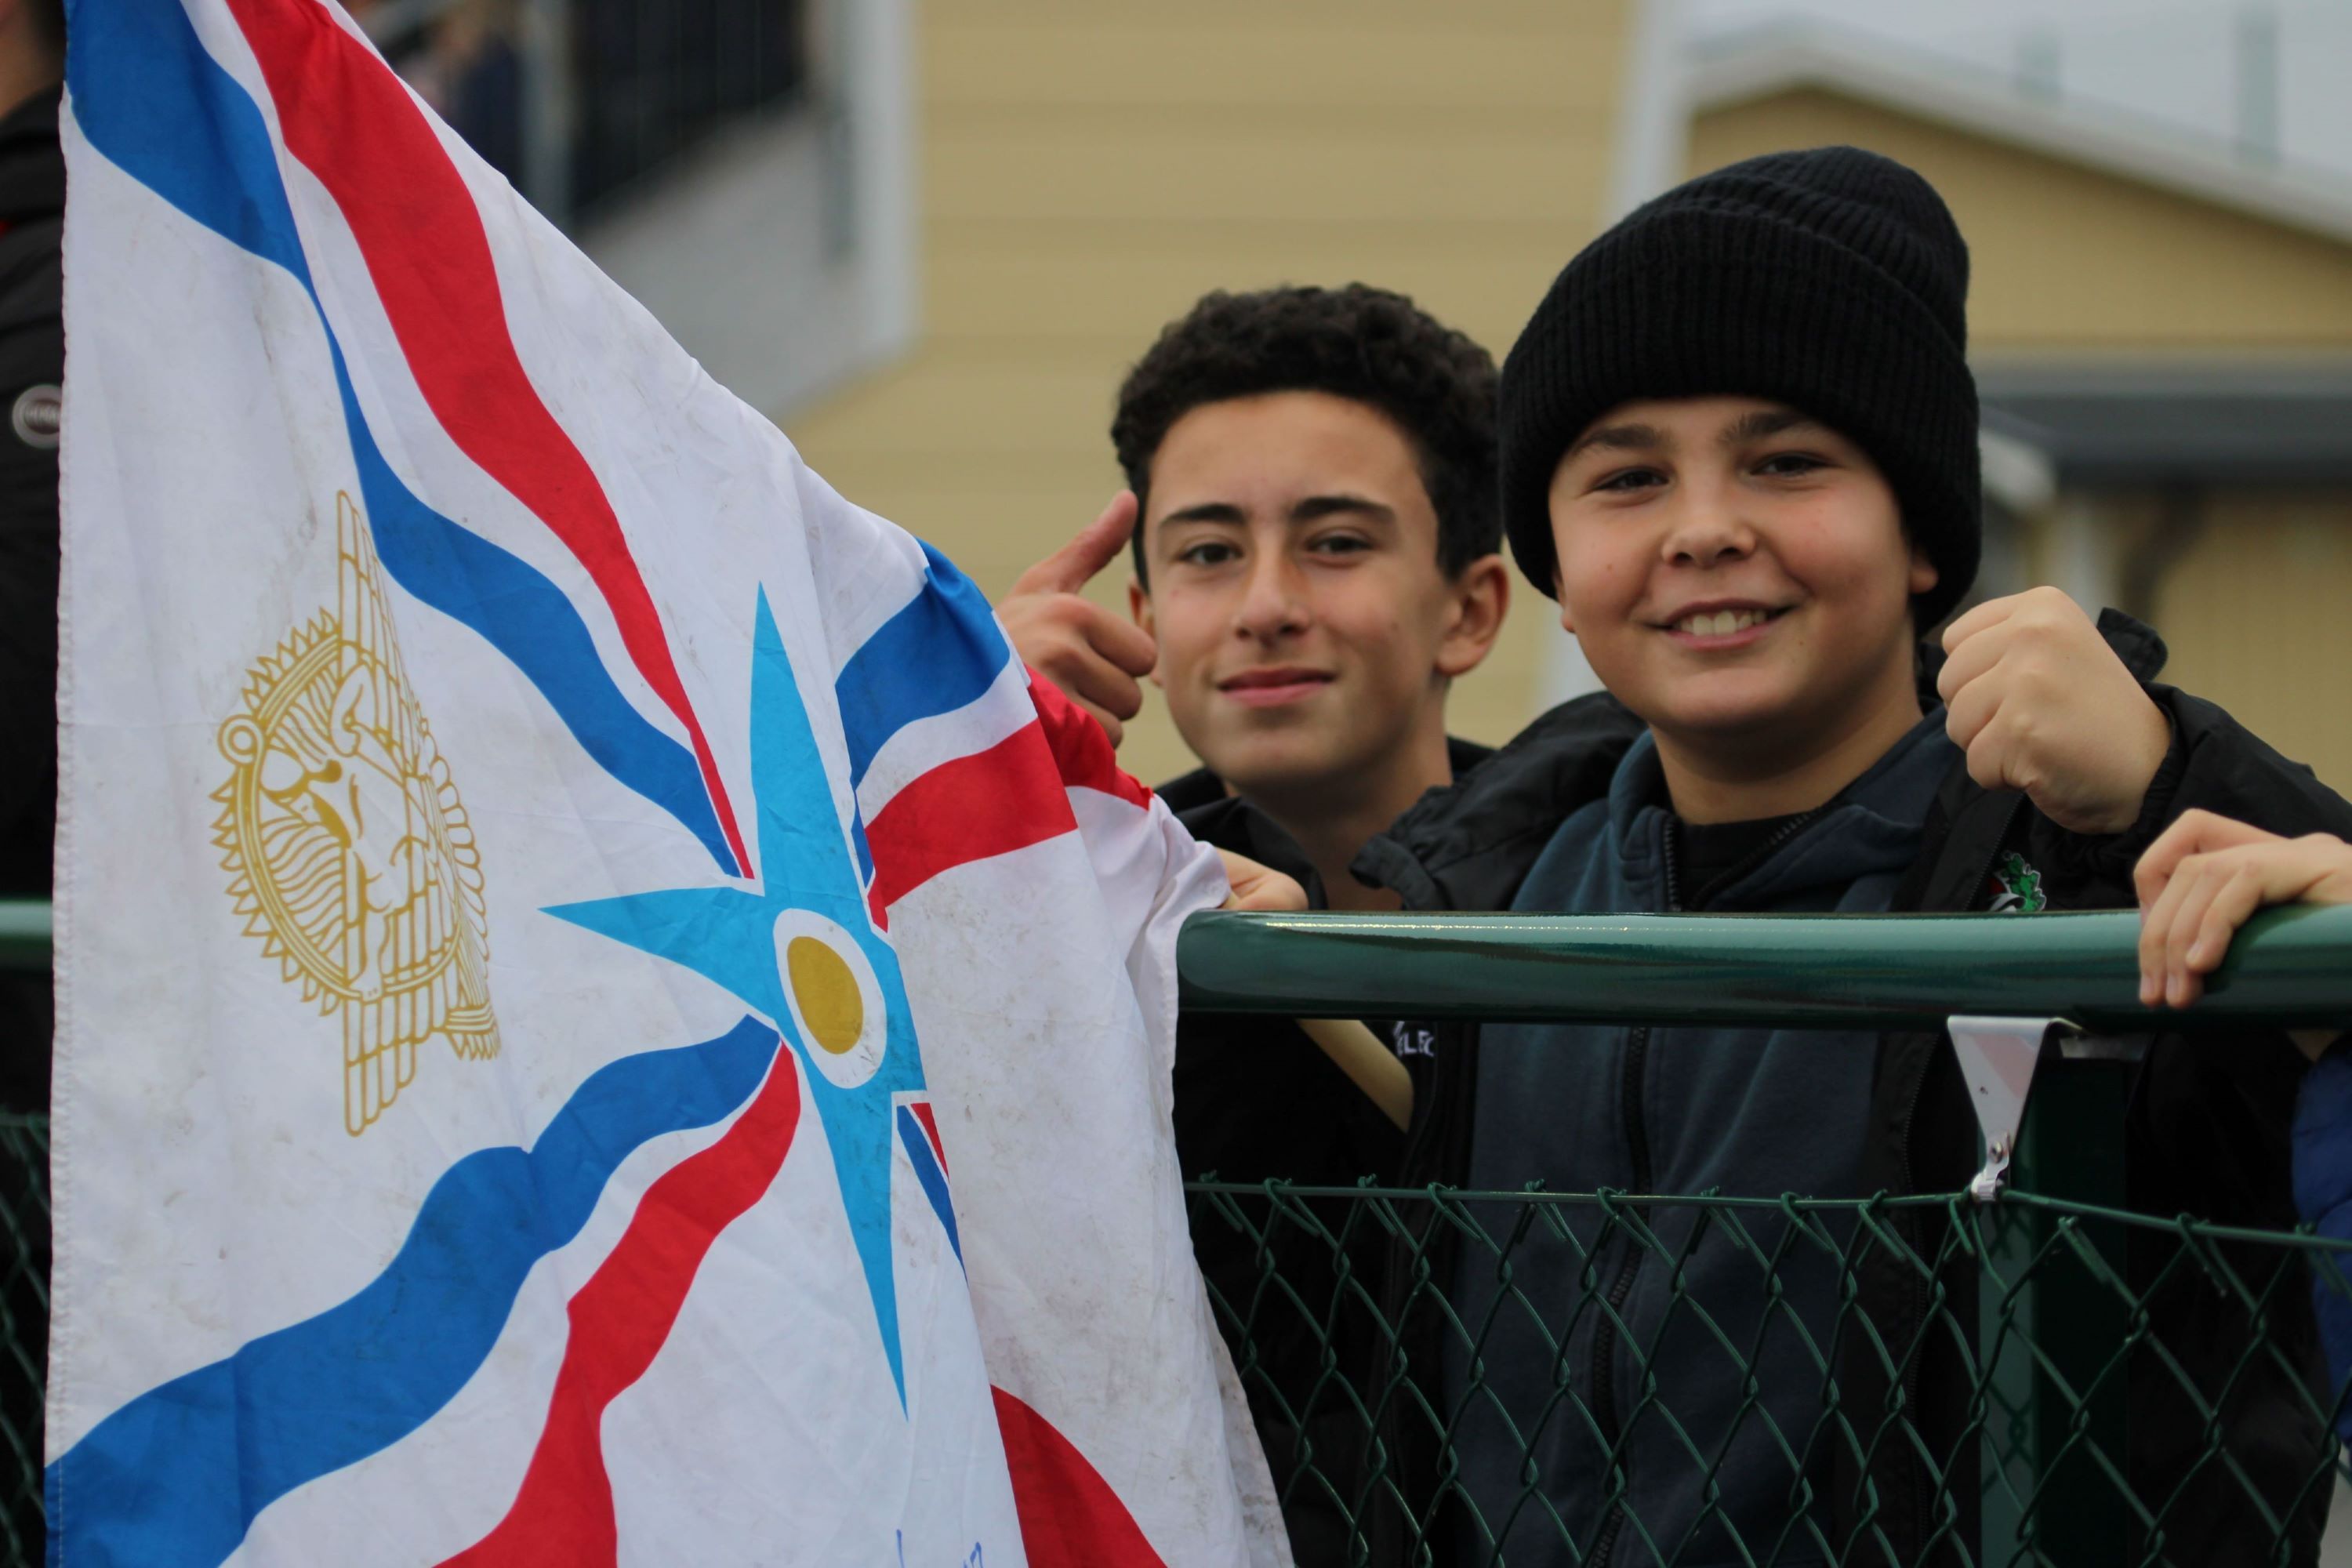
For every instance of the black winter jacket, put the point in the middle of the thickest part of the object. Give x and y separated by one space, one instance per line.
32 367
2208 1134
1257 1100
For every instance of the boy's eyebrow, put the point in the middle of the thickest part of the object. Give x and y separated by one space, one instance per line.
1207 512
1759 422
1315 507
1620 438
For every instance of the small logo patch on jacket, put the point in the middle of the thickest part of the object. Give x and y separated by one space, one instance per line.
2018 887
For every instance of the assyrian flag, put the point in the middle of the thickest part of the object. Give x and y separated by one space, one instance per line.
602 1018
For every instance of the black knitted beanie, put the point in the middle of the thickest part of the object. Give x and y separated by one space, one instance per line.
1832 280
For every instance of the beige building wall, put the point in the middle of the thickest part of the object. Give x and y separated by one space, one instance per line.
1089 167
2071 264
2254 612
2066 259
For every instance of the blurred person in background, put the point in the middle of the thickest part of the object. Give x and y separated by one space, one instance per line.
1317 564
32 372
466 66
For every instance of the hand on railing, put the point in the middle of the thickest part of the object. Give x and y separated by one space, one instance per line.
2201 881
1257 888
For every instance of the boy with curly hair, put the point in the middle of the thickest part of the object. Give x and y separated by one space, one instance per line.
1313 529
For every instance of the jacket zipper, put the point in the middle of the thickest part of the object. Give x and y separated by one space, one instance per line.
1637 1062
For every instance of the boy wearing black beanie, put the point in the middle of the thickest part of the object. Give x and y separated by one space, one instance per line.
1739 448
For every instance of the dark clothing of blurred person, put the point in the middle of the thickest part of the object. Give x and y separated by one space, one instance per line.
32 370
32 373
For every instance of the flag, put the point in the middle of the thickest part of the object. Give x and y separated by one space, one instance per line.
603 1015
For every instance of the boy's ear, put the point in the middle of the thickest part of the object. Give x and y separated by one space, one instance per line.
1481 597
1924 574
1139 610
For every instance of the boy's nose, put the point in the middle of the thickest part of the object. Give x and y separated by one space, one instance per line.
1273 606
1707 533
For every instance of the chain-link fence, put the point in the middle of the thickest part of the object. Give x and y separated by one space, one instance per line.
1730 1381
23 1329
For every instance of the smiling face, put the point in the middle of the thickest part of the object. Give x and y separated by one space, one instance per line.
1306 633
1738 575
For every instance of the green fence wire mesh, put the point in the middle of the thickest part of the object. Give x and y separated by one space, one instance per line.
24 1331
1451 1377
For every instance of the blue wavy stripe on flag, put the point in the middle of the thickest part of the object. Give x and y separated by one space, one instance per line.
939 653
176 1476
149 97
933 1180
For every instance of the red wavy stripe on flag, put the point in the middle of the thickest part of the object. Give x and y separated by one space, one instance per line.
1070 1517
989 802
923 1110
1081 751
620 1320
352 124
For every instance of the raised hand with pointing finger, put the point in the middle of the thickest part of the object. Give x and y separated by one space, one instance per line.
1096 655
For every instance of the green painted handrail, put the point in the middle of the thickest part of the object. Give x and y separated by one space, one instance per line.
24 934
2290 968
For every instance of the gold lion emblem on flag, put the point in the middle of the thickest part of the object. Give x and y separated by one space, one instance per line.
348 850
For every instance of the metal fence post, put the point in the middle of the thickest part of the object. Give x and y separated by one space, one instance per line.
2053 1322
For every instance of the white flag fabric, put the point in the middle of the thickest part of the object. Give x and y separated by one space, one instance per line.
601 1018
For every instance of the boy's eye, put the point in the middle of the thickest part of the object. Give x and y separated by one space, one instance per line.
1340 545
1208 553
1625 481
1789 464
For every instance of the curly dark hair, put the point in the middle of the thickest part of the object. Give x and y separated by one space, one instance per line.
1367 345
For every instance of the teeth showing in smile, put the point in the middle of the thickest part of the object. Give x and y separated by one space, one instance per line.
1721 623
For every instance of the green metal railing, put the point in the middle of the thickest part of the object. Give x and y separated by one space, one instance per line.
2067 1327
2079 1340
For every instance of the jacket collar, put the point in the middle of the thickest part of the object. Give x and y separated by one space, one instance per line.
1202 787
1215 816
1872 827
1469 846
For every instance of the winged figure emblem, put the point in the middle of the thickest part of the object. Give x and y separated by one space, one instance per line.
348 850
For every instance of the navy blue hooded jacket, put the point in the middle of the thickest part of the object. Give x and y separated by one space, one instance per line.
1747 1112
2207 1133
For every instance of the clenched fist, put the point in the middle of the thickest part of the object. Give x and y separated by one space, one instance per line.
1092 654
2041 703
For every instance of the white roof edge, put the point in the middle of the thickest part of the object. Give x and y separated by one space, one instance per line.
1751 66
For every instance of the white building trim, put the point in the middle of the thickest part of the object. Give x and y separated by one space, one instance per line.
1747 67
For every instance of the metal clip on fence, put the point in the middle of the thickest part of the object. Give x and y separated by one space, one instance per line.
1997 1058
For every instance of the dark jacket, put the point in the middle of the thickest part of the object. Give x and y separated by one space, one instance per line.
1257 1100
32 370
1743 1110
2323 1194
2208 1134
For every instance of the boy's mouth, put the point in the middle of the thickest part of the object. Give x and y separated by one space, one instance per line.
1722 626
1272 686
